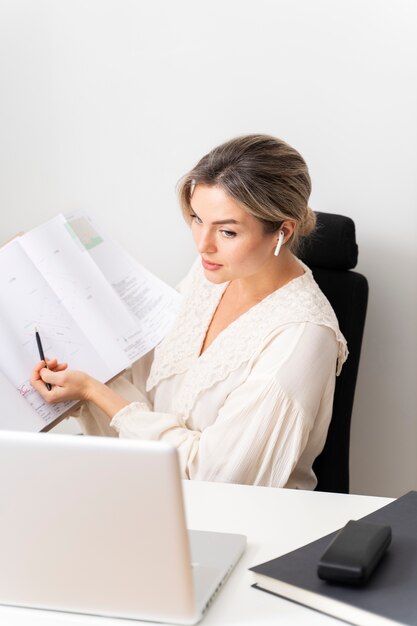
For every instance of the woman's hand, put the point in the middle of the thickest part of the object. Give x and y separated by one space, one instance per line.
72 385
66 384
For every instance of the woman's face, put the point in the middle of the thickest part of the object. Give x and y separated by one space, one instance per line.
232 243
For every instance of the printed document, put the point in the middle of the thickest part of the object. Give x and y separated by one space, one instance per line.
94 305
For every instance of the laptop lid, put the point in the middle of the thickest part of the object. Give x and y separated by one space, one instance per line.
94 525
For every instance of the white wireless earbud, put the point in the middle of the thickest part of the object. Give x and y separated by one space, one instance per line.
279 244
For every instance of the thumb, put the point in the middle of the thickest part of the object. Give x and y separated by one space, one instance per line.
55 378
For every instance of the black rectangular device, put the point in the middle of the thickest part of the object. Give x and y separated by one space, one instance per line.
354 553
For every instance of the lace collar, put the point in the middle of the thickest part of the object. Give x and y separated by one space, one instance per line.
300 300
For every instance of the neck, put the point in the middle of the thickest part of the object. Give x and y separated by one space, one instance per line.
275 274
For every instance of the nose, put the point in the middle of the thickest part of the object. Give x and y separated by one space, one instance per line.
205 241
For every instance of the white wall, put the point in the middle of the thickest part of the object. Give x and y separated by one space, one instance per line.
105 103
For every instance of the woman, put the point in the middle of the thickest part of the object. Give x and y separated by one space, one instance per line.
243 384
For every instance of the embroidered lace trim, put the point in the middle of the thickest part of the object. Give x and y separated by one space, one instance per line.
298 301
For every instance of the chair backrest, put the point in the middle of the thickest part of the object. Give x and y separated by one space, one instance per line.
331 252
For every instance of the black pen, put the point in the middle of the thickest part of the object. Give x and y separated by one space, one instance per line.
41 354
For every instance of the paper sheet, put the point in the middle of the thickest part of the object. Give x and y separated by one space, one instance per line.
82 289
27 302
94 306
153 303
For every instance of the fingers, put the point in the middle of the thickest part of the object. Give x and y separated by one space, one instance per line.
49 395
36 372
53 366
53 377
60 367
57 383
39 386
56 380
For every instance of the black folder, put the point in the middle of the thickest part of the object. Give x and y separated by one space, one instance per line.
391 593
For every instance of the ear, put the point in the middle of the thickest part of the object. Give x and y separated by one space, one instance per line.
288 226
285 233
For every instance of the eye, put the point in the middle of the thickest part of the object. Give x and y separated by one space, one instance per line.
195 218
229 234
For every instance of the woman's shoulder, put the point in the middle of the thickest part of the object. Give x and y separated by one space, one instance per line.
302 300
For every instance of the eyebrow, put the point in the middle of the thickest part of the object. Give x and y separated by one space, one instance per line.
229 221
226 221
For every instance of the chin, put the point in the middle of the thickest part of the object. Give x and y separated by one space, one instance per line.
217 278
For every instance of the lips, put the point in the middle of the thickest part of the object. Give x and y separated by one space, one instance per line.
212 267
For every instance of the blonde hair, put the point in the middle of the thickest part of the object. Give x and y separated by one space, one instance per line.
266 176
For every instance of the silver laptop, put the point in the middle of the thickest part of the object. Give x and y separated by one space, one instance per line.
96 525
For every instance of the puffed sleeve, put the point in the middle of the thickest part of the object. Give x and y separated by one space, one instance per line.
262 429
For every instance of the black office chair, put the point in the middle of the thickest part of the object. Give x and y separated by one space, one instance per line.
331 252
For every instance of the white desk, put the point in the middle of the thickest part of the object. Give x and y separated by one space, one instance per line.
275 521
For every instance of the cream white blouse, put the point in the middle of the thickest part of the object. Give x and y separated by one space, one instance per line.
255 407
